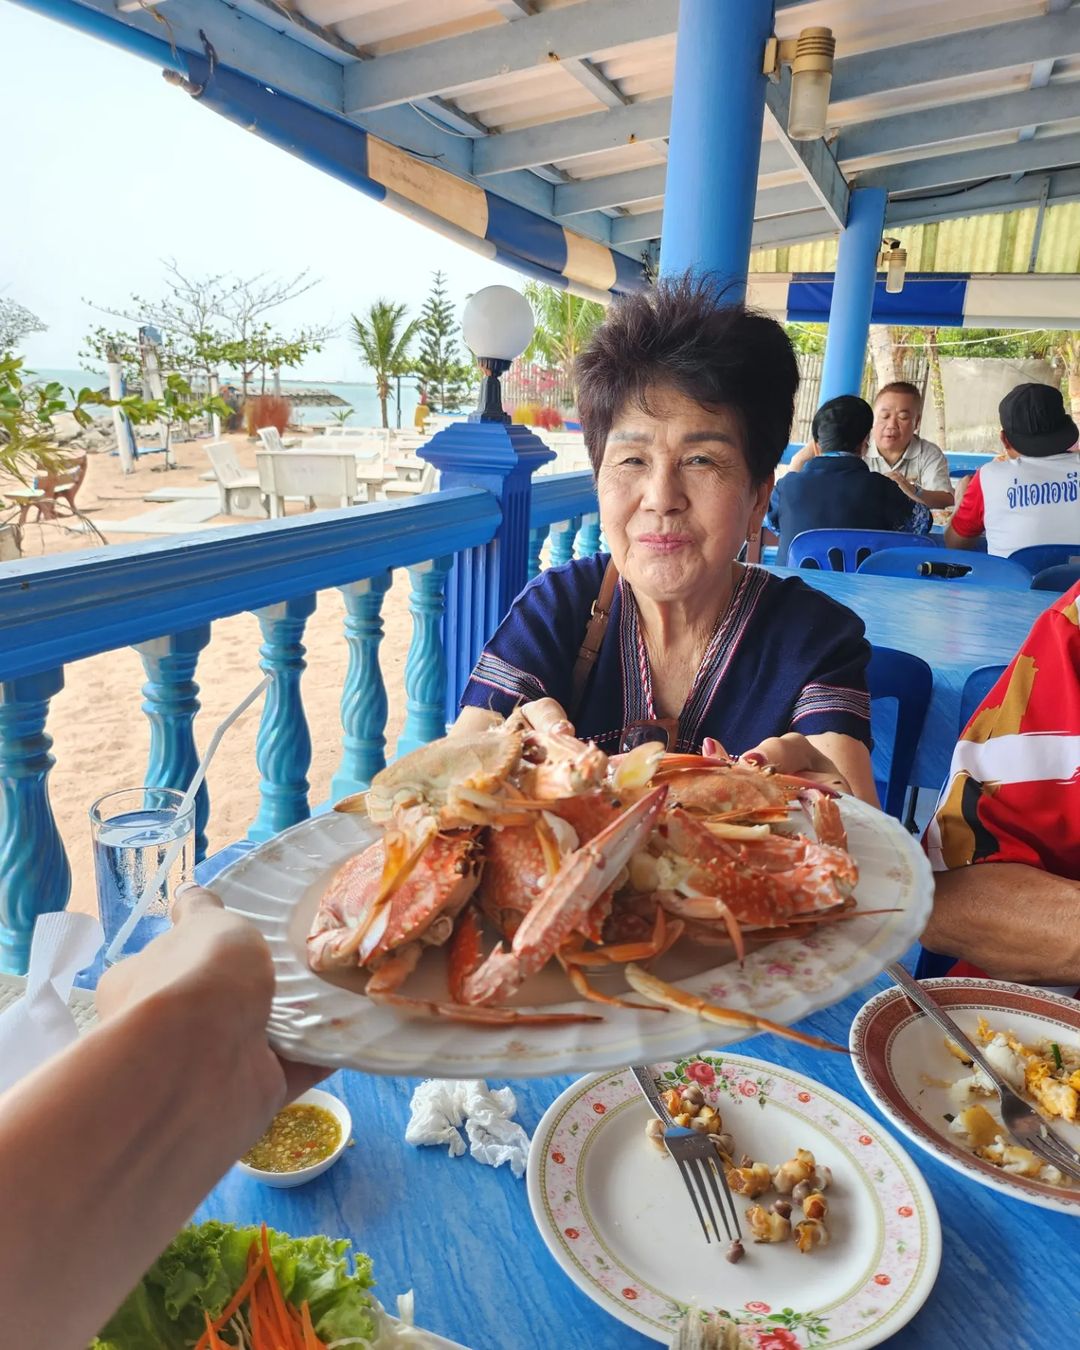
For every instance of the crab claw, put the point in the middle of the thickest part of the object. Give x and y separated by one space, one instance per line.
582 878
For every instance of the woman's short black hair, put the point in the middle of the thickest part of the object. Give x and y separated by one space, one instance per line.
683 335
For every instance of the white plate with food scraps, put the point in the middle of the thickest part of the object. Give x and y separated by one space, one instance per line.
614 1214
901 1060
324 1018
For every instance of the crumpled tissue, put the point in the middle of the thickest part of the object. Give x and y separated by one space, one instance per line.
40 1025
440 1106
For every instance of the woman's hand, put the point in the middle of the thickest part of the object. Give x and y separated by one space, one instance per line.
791 754
545 714
210 955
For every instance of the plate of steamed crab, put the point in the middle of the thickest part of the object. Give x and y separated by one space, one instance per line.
515 901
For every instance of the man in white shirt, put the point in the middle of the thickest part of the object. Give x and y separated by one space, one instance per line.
1033 496
917 466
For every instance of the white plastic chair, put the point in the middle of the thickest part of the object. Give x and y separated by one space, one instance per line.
396 488
238 490
324 478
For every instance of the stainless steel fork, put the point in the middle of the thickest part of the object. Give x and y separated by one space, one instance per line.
696 1157
1021 1120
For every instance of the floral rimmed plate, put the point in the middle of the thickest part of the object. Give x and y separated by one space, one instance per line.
325 1019
616 1218
901 1060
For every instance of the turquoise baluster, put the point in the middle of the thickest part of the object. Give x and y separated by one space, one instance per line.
588 540
562 540
34 873
425 667
283 745
537 540
172 701
363 699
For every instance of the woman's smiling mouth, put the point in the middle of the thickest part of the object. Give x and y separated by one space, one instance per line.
664 543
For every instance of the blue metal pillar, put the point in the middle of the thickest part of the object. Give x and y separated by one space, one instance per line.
853 294
715 143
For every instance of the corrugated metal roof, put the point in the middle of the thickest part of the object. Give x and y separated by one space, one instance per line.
986 243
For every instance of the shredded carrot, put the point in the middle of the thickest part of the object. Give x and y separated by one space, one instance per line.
311 1341
277 1299
205 1342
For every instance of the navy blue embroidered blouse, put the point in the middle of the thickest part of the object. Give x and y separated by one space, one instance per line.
784 658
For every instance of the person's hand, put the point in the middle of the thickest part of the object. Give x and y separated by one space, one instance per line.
791 754
545 714
810 451
904 484
210 955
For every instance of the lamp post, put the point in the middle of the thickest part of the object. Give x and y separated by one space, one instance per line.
488 451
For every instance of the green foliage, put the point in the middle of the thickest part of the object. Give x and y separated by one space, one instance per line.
341 415
383 339
808 339
564 325
444 375
27 441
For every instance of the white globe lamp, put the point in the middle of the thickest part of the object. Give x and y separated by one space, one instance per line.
497 325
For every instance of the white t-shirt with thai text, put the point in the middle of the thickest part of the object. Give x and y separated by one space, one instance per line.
1024 501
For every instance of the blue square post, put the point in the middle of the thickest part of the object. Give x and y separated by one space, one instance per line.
484 581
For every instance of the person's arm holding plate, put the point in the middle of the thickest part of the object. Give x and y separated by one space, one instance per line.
106 1149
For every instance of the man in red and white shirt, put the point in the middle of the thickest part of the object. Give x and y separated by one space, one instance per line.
1033 496
1005 841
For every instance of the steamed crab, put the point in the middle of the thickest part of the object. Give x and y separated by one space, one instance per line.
572 856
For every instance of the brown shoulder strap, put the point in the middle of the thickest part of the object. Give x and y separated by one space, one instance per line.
593 639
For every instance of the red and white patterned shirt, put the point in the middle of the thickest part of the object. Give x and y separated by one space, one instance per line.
1013 792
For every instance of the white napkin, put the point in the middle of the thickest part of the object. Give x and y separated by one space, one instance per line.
440 1106
40 1024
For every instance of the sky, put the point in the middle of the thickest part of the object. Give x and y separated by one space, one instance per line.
108 170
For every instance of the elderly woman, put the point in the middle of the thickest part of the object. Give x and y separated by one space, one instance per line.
686 404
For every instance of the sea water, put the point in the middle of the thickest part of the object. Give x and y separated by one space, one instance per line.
128 851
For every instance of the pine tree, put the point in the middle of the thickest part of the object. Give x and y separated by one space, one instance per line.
441 370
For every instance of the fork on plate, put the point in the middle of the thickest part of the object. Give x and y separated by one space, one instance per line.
696 1158
1021 1120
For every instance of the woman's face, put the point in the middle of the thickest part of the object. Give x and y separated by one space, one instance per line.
676 497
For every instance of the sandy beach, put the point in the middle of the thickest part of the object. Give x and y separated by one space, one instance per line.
100 735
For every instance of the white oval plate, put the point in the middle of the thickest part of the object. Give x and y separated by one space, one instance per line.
901 1060
325 1018
616 1218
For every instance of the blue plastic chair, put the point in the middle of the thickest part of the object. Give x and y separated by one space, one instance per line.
844 550
909 680
1059 578
1036 557
983 568
976 687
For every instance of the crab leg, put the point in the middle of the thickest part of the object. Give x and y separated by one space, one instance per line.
392 973
664 937
674 997
583 876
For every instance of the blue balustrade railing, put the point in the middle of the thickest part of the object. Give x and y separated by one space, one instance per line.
467 548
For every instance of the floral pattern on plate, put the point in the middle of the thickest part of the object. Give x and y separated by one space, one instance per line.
902 1063
591 1165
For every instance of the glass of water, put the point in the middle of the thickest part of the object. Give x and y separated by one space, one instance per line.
132 830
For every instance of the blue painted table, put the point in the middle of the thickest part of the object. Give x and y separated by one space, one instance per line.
954 628
462 1236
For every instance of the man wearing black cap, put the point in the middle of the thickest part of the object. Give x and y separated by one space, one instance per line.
835 489
1033 497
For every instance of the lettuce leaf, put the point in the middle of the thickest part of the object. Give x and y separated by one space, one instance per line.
202 1267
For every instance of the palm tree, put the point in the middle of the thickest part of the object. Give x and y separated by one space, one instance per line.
564 325
384 344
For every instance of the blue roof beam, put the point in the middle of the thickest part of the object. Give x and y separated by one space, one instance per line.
813 159
1048 152
999 47
640 229
639 185
593 79
937 126
565 34
1004 195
